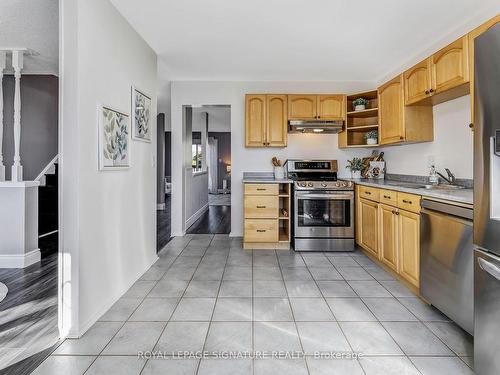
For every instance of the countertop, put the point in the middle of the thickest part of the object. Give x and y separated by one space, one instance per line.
461 195
263 178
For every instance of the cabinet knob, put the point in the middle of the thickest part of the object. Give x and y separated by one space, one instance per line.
261 230
261 206
319 116
431 90
426 92
471 125
406 201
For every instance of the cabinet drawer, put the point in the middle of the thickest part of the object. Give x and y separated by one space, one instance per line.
369 193
261 230
261 206
389 197
262 189
409 202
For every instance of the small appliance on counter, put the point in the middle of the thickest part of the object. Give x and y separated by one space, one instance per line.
323 207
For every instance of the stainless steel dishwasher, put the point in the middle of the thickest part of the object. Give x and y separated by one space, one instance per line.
446 260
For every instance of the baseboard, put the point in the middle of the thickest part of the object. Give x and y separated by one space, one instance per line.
20 261
196 216
160 206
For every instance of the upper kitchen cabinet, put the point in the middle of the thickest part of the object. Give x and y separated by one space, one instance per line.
417 82
331 107
302 107
400 123
450 67
316 107
472 36
441 77
265 120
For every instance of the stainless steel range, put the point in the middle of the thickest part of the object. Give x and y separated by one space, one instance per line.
323 207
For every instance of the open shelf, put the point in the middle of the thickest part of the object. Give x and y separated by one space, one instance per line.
363 127
370 112
283 236
284 217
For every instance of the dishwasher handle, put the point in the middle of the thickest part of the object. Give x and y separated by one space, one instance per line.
489 268
448 209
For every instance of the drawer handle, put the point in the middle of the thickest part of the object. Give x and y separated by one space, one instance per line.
261 206
406 201
368 193
261 189
261 230
387 196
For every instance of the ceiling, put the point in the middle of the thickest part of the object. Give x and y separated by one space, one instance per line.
219 118
32 24
296 40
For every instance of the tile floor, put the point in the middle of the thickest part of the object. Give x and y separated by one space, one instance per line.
206 293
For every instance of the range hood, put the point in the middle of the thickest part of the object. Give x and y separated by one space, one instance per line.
315 126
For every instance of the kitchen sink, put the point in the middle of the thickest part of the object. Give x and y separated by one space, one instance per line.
443 187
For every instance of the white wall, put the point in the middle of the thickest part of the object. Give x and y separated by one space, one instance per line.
109 218
452 146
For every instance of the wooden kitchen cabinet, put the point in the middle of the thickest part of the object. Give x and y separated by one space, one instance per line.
400 123
472 36
409 246
368 212
417 82
450 66
316 107
388 243
302 107
265 120
331 107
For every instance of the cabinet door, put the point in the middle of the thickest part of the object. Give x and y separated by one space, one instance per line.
409 246
331 107
388 234
369 226
391 112
255 121
302 107
276 120
473 35
417 82
261 230
450 66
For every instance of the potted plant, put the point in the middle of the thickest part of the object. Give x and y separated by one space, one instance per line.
356 166
360 104
371 137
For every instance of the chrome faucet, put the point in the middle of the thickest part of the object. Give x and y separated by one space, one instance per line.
451 179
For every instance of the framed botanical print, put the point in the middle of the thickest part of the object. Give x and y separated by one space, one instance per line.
114 135
141 116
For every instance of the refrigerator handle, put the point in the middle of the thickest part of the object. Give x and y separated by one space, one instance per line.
489 268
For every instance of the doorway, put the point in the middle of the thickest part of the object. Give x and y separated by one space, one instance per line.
209 186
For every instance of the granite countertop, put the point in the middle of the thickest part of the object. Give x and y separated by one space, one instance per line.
263 178
461 195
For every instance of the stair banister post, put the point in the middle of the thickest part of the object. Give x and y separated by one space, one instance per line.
3 55
17 64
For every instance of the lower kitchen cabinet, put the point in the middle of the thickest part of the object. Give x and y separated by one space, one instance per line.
390 231
409 246
389 236
368 212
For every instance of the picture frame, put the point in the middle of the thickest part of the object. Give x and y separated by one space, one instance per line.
141 115
113 139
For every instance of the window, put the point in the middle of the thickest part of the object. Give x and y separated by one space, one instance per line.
196 162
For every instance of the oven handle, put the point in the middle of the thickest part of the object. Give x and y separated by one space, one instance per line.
325 196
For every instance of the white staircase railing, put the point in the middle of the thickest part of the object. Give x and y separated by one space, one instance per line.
50 168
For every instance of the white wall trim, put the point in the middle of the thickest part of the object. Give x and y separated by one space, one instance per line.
47 168
196 215
20 260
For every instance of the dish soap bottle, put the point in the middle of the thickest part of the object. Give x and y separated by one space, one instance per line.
433 177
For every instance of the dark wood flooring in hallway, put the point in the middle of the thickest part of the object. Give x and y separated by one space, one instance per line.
217 220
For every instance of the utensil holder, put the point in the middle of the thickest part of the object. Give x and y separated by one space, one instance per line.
279 173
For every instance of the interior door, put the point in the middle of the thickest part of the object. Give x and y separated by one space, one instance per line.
331 107
302 107
255 121
277 120
391 112
417 82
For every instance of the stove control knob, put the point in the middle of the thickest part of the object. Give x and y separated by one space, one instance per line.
324 184
345 184
303 184
310 184
337 184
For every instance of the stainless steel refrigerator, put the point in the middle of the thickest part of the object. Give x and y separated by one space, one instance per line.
487 203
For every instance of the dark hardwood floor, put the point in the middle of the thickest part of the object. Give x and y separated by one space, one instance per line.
163 230
217 220
28 315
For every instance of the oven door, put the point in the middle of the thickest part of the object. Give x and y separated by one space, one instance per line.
324 214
